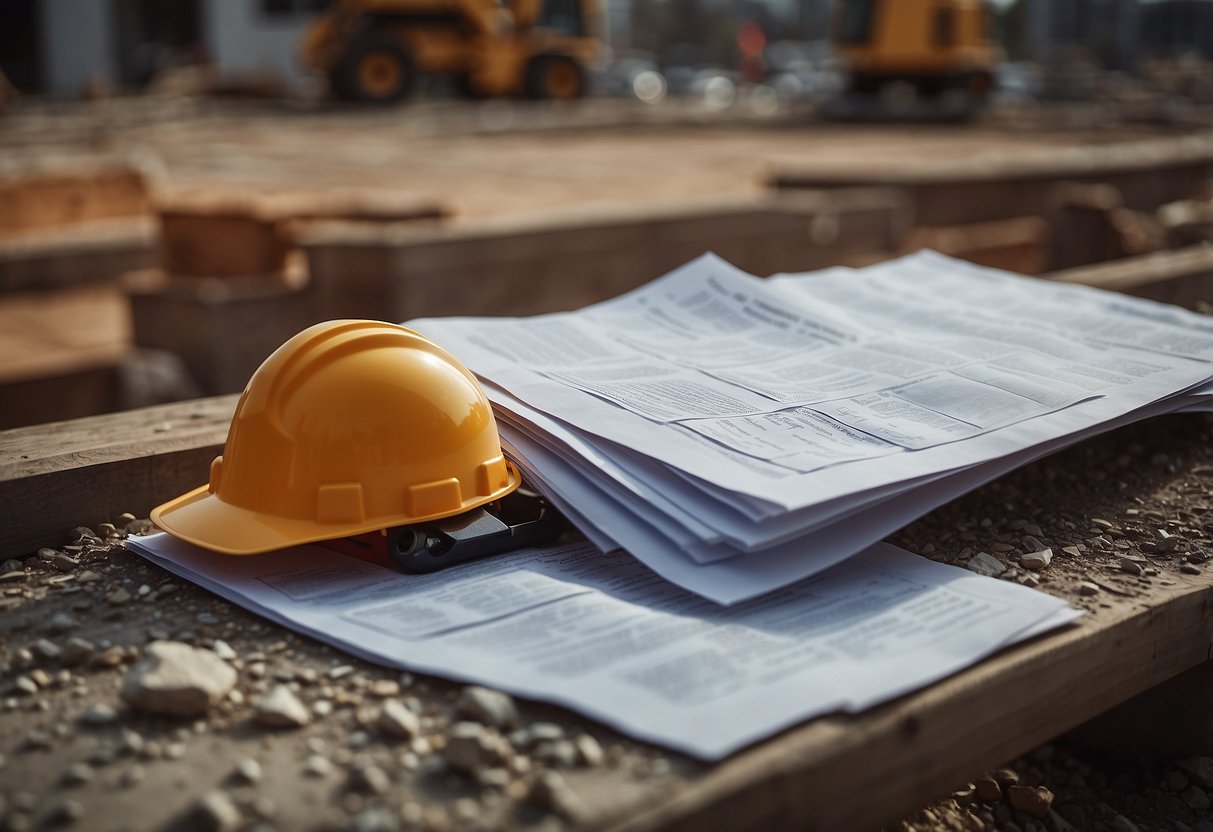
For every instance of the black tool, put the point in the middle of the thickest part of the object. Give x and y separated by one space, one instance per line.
520 519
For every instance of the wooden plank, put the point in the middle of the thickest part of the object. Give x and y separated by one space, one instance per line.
62 332
987 188
1018 245
1156 156
1183 276
86 252
59 475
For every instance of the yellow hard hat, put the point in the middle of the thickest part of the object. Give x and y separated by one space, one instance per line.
349 427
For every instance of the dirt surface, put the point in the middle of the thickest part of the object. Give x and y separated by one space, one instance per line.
77 622
503 158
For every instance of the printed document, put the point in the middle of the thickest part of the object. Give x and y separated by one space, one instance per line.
603 635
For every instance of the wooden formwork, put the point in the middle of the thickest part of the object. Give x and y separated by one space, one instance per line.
396 271
1146 174
564 261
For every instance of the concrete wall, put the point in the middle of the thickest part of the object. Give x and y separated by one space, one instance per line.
223 329
242 39
78 42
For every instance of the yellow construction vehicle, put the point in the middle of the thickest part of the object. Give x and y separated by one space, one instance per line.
374 50
905 54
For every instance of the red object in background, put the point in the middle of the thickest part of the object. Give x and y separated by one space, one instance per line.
751 42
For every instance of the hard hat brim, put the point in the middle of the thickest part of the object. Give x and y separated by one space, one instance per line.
201 518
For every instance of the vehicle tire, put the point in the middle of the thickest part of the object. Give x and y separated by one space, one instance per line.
555 77
376 69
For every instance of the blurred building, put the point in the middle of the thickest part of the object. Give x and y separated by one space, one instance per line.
1118 32
60 47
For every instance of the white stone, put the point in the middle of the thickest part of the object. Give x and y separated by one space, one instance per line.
280 708
986 564
177 679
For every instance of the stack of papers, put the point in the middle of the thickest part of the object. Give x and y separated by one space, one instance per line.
738 434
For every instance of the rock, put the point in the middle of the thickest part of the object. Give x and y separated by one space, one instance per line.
46 650
490 707
67 812
118 597
1006 777
63 563
76 652
396 720
280 708
589 750
110 657
223 650
61 622
77 775
1036 801
370 779
214 812
537 732
558 754
1200 769
1087 588
985 564
383 688
988 789
26 685
177 679
375 820
99 715
247 771
132 777
1132 567
1189 569
1195 797
470 746
317 766
1037 560
551 792
1177 781
466 811
1165 544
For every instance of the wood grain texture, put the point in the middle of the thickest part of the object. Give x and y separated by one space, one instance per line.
56 476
